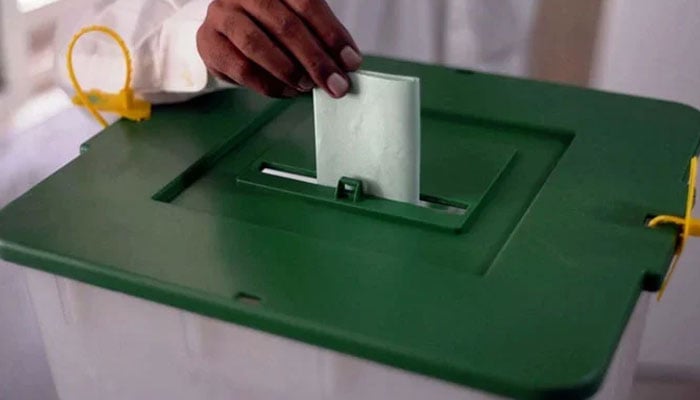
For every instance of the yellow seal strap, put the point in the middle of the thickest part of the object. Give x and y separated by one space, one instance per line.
123 103
687 225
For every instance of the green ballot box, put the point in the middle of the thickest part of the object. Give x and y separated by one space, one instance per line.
224 262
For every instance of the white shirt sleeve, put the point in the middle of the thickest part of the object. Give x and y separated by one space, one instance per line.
161 36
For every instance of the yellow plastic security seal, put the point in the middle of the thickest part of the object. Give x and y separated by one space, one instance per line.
687 225
123 103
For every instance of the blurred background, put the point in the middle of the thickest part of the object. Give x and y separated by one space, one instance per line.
643 47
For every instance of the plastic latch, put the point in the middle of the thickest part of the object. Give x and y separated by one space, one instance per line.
349 188
123 103
686 225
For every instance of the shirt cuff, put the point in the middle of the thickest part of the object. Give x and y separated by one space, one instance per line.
182 69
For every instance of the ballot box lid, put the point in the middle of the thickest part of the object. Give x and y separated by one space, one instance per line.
516 275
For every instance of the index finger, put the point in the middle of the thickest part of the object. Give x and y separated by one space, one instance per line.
321 20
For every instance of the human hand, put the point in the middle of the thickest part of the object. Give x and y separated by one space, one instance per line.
279 48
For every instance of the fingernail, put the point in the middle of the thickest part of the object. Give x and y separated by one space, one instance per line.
306 84
289 92
337 85
351 58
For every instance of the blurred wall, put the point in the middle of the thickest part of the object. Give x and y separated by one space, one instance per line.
12 55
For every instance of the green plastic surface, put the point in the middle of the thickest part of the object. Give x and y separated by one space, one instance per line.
524 294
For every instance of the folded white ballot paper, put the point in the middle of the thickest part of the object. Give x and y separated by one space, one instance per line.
372 134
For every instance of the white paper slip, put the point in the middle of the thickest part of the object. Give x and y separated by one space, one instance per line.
372 134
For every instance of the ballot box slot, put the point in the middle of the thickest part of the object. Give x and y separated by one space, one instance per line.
432 211
432 202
